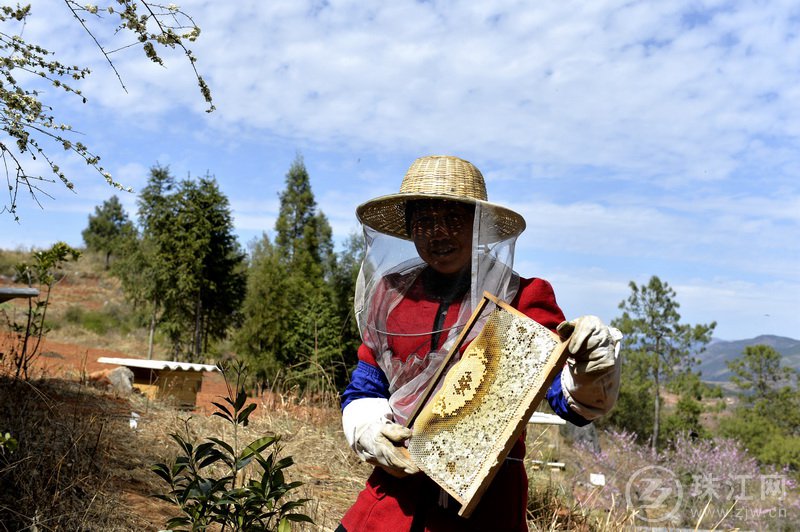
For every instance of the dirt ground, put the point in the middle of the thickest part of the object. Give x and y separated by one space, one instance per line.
331 475
73 361
76 362
307 433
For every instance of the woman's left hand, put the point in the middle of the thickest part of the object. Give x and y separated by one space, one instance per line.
590 379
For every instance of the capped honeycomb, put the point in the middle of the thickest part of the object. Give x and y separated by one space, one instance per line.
464 432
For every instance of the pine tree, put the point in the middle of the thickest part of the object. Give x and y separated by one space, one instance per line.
759 373
657 346
767 420
303 235
144 269
213 265
109 227
264 310
188 269
203 261
293 322
345 274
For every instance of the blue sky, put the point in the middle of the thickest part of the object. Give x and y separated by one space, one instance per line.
637 138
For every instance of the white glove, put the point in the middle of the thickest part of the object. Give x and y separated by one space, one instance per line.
375 438
590 379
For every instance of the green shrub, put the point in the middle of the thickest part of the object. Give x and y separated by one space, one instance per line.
7 443
9 261
109 318
26 334
248 492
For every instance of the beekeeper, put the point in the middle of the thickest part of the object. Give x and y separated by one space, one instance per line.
432 250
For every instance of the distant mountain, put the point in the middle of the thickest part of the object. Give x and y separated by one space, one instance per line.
720 351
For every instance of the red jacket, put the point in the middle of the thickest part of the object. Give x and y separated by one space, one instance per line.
390 504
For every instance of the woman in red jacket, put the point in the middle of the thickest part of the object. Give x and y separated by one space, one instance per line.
432 250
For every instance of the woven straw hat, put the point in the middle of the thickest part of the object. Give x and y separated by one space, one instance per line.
438 177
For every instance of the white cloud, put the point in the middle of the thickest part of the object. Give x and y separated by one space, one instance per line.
630 134
628 88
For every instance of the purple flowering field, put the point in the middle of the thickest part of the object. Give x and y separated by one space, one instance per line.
698 483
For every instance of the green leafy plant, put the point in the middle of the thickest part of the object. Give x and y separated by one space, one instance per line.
240 487
109 318
7 443
44 272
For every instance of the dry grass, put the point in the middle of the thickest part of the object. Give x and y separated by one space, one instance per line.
67 472
552 501
331 475
80 466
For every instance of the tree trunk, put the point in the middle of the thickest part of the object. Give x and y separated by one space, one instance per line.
152 333
657 412
198 329
205 334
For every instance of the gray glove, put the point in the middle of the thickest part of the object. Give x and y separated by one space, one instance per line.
591 343
375 438
590 380
381 443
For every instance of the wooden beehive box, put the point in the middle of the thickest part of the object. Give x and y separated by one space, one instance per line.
176 382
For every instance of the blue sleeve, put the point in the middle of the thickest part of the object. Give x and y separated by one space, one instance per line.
555 396
366 381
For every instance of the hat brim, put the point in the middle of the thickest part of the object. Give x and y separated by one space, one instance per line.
387 214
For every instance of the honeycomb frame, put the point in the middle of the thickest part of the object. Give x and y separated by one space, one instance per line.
464 432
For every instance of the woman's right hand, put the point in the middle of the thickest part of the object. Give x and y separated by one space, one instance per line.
376 438
382 444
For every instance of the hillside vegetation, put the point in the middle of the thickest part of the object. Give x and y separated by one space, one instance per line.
714 363
85 468
177 285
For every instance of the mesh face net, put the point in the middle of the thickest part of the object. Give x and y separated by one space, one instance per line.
391 267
